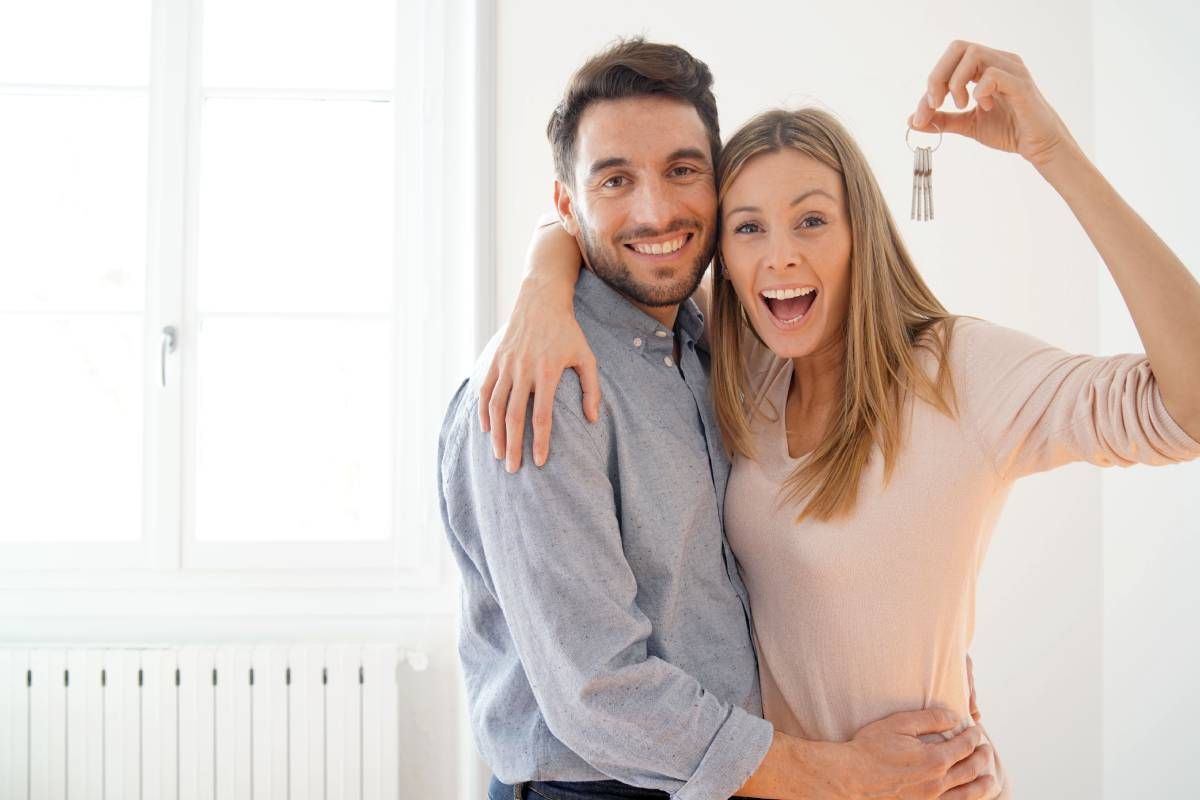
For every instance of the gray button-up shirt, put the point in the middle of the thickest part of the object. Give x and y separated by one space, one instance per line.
605 630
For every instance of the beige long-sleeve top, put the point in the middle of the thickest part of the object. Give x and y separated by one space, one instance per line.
873 613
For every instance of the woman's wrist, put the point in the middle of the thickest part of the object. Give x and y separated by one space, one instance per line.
1065 166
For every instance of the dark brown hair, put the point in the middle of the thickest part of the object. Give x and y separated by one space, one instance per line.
631 68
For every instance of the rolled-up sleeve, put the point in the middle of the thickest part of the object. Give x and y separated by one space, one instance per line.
1036 407
551 544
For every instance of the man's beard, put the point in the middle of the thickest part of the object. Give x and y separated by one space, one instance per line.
612 269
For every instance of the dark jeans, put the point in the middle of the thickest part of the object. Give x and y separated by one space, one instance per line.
564 790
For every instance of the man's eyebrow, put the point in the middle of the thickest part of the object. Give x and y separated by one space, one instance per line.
799 199
607 163
694 153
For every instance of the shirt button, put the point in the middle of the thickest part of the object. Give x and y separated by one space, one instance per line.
670 362
637 342
661 334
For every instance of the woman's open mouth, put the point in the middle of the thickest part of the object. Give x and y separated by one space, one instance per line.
662 248
788 308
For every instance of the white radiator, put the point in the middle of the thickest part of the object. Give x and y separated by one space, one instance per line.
212 722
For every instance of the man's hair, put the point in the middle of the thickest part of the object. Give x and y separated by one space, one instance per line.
631 68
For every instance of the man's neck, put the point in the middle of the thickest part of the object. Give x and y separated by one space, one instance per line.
665 315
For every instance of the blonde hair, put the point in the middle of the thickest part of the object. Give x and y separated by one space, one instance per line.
890 308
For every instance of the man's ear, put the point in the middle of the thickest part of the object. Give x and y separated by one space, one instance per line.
566 208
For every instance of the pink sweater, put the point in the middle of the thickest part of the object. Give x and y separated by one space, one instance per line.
873 613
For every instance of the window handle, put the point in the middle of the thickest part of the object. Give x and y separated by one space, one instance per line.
168 345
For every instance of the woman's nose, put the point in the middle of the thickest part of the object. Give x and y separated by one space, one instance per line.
782 254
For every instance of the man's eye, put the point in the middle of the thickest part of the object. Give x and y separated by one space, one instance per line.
747 227
615 182
681 172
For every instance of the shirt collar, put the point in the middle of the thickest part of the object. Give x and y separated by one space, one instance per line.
613 309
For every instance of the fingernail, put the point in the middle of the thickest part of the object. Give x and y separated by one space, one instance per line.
510 467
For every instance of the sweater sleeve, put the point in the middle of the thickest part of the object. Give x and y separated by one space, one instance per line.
1033 407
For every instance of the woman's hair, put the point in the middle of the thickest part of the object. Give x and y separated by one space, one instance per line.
890 308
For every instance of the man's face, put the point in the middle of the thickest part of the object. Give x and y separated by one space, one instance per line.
644 204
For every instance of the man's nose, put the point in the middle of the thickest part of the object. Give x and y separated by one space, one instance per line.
654 206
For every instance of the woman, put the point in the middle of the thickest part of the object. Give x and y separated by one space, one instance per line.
875 435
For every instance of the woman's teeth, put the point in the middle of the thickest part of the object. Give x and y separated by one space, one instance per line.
660 248
789 305
785 294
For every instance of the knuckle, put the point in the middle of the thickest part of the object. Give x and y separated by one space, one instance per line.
541 419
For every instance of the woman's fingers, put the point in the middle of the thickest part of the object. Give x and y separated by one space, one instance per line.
962 123
961 64
485 397
967 69
939 79
996 81
497 407
543 413
589 379
514 422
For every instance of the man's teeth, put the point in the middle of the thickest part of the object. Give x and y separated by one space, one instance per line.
660 248
785 294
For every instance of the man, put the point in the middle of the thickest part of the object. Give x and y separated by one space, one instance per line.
605 631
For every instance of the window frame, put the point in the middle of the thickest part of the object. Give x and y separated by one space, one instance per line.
444 105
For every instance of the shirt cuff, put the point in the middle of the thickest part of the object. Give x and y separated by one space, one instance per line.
1186 447
734 754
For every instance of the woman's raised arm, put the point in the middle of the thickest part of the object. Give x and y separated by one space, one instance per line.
1011 114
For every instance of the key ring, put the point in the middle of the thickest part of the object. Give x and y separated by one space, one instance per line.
934 148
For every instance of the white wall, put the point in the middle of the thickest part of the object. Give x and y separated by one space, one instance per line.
1004 247
1146 73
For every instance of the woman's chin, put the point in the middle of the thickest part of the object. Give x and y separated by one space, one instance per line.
788 340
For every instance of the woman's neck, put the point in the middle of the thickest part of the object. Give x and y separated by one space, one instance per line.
817 386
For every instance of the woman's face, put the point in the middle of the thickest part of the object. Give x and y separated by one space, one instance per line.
785 239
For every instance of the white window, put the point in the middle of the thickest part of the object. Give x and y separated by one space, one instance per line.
235 294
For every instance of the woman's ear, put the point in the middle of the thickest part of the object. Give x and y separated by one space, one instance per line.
565 206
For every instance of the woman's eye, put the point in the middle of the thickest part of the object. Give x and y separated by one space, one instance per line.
615 182
816 222
747 227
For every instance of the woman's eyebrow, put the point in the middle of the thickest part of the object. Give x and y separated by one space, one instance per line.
799 199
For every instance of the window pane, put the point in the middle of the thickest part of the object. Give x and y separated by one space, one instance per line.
296 206
293 431
75 42
72 202
71 428
334 44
